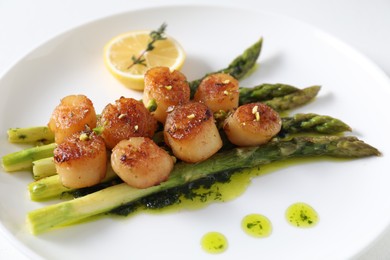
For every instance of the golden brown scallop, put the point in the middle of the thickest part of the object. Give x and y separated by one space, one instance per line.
191 133
124 119
81 160
219 92
252 124
140 163
167 88
73 114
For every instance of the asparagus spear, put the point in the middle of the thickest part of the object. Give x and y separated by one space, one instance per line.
238 68
43 168
30 135
51 186
313 123
294 99
44 188
242 64
264 92
103 201
22 160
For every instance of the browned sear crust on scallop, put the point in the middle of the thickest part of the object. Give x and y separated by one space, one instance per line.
126 118
75 148
267 120
162 81
81 160
167 88
219 92
73 114
140 163
185 122
191 132
252 124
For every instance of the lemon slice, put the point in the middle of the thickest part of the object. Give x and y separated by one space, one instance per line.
118 53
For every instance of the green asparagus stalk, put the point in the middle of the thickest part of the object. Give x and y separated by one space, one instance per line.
30 135
73 211
293 100
264 92
51 186
46 188
22 160
239 67
43 168
242 64
311 122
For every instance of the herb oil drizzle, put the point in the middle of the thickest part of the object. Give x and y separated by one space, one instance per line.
214 242
302 215
256 225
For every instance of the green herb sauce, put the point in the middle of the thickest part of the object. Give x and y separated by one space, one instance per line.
214 243
220 187
301 215
256 225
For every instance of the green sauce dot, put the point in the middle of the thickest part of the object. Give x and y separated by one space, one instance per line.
256 225
214 242
302 215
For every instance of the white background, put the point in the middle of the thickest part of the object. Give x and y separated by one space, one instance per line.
362 24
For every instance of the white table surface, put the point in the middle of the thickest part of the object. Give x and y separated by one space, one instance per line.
363 24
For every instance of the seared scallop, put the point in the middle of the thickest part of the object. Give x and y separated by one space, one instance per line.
81 160
140 163
219 92
166 88
124 119
73 114
191 133
252 124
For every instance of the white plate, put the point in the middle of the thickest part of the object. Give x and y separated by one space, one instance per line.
350 197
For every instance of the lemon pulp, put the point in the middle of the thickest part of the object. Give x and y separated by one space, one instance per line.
119 51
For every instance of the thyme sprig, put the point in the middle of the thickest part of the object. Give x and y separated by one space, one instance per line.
155 36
